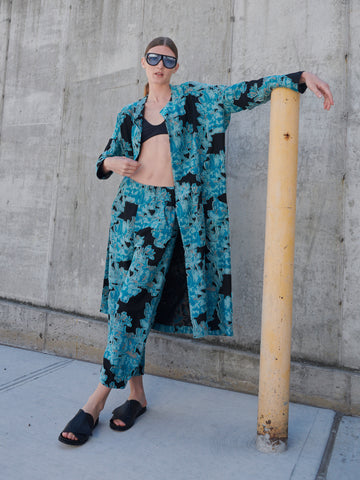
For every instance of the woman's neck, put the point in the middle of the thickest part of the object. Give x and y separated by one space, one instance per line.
159 94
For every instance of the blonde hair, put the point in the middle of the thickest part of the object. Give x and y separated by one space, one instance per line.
154 43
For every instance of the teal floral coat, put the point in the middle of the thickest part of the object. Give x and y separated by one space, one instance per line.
197 296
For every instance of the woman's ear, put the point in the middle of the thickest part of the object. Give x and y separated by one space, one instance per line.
143 62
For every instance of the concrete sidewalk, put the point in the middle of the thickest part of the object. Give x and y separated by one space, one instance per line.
188 432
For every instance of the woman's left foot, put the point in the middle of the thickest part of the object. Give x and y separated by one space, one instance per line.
124 416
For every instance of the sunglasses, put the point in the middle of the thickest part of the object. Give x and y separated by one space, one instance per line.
154 58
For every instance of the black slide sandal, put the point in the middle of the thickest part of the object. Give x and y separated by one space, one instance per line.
128 412
82 426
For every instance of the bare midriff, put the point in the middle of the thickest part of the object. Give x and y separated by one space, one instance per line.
155 162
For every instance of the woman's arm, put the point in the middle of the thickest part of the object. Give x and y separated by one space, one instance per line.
119 146
248 95
102 170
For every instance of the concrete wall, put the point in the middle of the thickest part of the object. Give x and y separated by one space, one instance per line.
66 69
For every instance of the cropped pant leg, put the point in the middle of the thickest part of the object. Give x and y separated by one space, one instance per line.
142 238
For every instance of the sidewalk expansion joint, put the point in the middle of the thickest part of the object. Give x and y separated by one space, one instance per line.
34 375
324 465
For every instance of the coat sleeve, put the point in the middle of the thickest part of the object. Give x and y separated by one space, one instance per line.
118 145
247 95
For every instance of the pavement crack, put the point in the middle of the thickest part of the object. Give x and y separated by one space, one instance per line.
29 377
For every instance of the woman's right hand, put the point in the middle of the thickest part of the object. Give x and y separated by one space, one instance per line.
122 165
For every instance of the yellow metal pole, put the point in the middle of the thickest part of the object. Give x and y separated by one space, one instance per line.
274 382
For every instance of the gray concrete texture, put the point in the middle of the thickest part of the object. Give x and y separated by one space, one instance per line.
67 67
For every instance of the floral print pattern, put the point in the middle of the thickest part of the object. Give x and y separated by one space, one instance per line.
196 297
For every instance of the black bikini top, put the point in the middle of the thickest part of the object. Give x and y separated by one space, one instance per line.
149 130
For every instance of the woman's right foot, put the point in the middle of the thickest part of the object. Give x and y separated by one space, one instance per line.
93 406
94 412
82 424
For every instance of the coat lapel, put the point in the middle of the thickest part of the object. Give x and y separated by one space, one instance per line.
137 126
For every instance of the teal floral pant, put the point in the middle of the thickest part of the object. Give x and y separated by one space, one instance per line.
141 242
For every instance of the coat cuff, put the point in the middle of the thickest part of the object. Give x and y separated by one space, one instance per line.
100 172
295 77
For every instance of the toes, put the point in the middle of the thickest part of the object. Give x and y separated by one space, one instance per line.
69 435
119 423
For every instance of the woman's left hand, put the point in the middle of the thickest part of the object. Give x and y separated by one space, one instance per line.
319 87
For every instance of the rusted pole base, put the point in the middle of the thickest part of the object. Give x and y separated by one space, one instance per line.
265 444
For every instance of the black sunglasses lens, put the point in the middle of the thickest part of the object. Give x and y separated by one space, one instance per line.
153 59
169 62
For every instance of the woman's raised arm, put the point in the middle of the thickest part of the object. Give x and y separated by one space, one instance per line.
247 95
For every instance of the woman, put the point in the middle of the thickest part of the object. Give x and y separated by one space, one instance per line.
168 258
